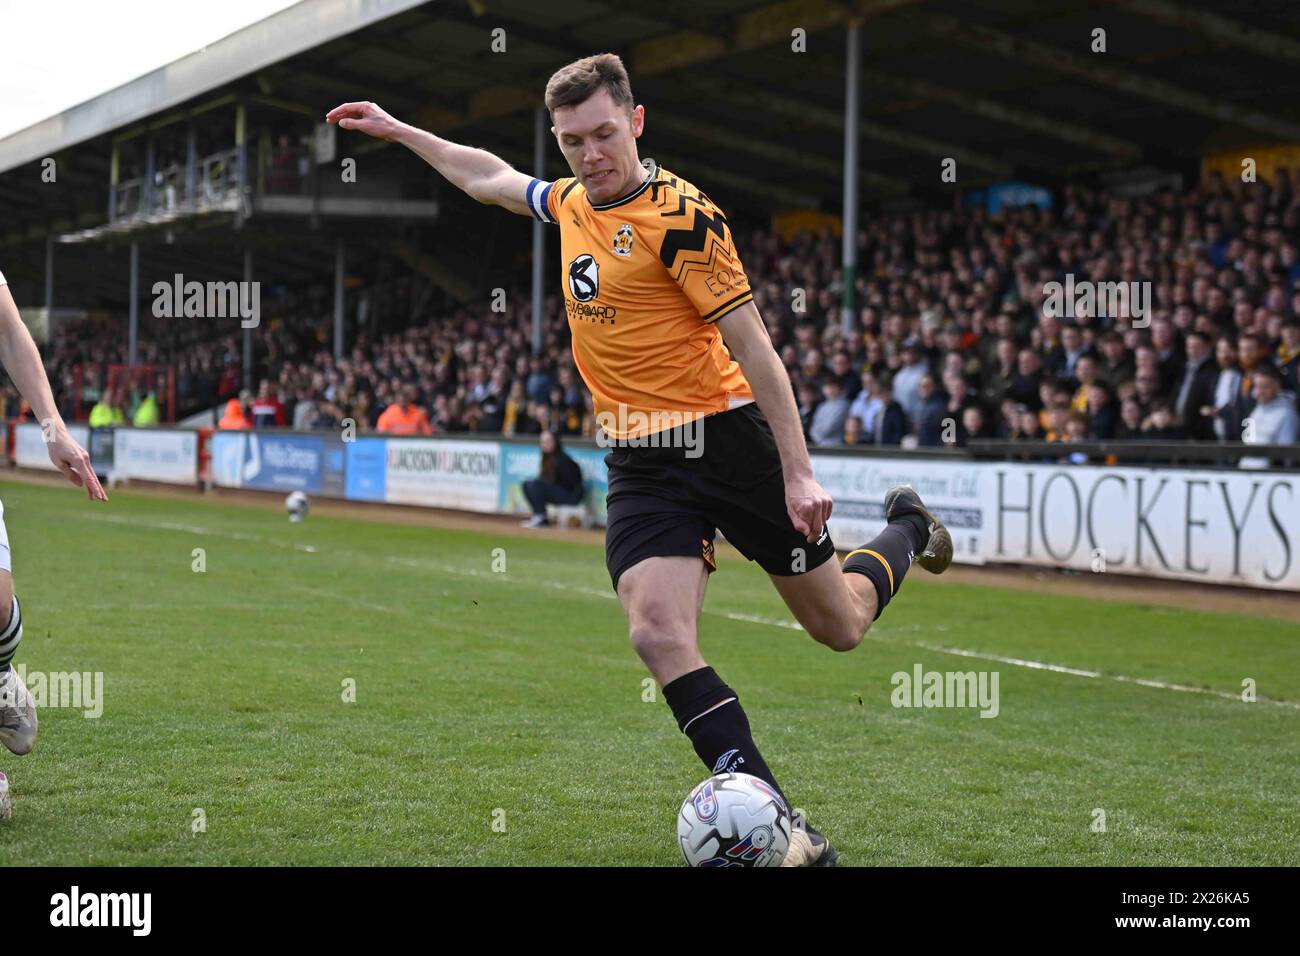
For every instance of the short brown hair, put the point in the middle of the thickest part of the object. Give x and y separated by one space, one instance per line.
582 79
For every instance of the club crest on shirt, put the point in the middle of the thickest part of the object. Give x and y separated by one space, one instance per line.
623 241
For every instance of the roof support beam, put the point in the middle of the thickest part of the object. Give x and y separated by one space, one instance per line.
1219 30
749 31
739 142
1049 126
1094 69
808 112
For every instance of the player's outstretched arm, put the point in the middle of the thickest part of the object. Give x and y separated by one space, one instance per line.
483 176
22 361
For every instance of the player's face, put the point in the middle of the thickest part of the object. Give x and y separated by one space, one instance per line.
598 138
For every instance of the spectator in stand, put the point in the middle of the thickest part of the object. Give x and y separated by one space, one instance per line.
973 425
516 420
305 412
540 380
234 417
564 418
807 401
147 414
1008 426
268 410
1130 420
1273 420
1148 388
108 410
1029 428
1251 355
998 382
933 413
827 426
1055 420
852 430
867 405
1165 347
405 417
493 403
573 391
1087 374
1029 375
1073 348
906 386
558 481
891 422
842 371
1100 412
1076 426
1161 424
1287 356
1116 365
1195 388
1227 405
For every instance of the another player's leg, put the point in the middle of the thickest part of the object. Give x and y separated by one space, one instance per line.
17 709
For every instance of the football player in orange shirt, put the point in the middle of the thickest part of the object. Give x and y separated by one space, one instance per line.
695 401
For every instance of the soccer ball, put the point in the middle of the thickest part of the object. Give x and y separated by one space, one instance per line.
734 819
297 505
6 808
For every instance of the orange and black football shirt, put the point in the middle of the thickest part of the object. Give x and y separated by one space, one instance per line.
645 278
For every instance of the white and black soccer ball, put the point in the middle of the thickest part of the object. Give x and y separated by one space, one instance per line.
734 819
297 504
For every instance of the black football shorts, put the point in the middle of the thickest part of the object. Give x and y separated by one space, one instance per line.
664 502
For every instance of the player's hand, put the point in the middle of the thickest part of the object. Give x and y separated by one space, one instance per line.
365 118
71 459
808 505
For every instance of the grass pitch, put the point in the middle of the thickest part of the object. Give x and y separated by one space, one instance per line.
500 719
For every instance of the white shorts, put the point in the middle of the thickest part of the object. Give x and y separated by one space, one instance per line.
5 561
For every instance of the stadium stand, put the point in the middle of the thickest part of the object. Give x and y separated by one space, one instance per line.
951 314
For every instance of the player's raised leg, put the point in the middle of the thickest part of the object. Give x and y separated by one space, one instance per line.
837 605
17 709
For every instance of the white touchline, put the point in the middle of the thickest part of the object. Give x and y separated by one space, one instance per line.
1119 678
730 615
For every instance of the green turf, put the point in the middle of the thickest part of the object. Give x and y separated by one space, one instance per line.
479 691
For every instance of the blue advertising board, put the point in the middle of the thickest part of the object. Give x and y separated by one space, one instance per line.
366 469
278 462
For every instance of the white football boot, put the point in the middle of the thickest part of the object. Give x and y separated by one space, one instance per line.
6 807
809 848
17 714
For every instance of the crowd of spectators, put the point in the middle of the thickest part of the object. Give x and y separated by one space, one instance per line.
952 337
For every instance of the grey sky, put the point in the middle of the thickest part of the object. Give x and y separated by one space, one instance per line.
58 53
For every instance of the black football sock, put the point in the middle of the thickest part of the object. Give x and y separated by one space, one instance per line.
886 558
709 713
